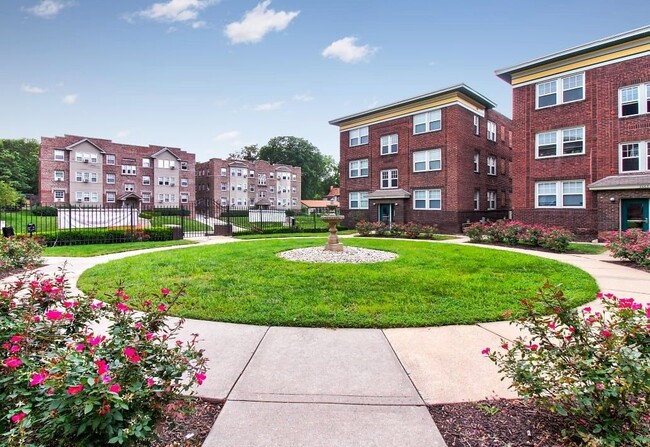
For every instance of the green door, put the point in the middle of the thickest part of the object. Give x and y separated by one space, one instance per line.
386 213
634 214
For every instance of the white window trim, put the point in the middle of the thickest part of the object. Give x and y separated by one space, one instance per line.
358 169
642 100
428 159
388 139
644 153
559 143
491 204
359 200
59 152
390 179
477 200
477 125
491 133
492 168
357 133
427 200
559 193
559 90
477 162
427 121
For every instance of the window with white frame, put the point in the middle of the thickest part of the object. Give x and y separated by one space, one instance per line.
184 166
110 159
185 197
560 90
86 157
224 201
261 179
59 155
185 182
166 163
389 179
634 157
358 136
491 131
271 189
491 200
358 168
492 165
224 172
477 162
560 194
634 100
59 195
167 181
261 194
359 200
477 125
82 196
224 187
128 170
146 180
427 122
129 187
146 162
146 197
573 142
429 160
110 179
389 144
293 177
59 176
271 174
110 197
477 199
427 199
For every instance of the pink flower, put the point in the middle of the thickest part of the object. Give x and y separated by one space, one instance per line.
106 379
164 291
587 309
150 382
80 347
149 336
16 418
38 378
17 338
486 351
102 367
94 341
72 390
131 354
14 348
504 346
97 305
600 386
13 362
115 388
551 325
138 325
605 333
533 347
53 315
200 377
162 307
123 307
179 343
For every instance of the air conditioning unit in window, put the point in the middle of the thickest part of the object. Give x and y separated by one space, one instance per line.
79 200
86 160
86 180
160 201
58 179
172 167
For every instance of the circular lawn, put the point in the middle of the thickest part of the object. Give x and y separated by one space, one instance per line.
429 284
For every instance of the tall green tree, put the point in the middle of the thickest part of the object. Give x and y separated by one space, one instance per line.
249 153
19 164
299 152
8 195
331 178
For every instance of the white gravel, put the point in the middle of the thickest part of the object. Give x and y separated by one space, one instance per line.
349 255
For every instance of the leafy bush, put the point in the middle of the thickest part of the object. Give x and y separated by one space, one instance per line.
82 236
632 244
149 214
411 230
556 239
513 232
233 213
364 228
290 213
44 211
19 251
65 384
591 367
171 212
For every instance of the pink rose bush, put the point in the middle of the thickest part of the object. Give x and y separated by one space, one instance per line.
19 251
512 232
591 367
65 381
410 230
632 245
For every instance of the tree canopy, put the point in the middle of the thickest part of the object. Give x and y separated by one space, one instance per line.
249 153
8 195
19 164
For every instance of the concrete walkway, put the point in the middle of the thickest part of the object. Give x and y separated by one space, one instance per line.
353 387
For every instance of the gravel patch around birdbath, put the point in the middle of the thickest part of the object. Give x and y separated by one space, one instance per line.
349 255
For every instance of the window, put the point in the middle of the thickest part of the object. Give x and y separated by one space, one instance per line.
110 197
427 122
184 167
128 170
59 195
427 160
293 177
571 89
59 155
477 125
251 173
271 174
635 157
389 144
129 187
262 194
86 196
185 197
146 197
492 165
224 187
572 142
167 164
491 131
477 162
271 189
427 199
224 201
110 159
358 200
224 172
85 157
634 100
110 179
491 200
477 199
389 179
146 180
59 176
167 181
358 136
185 182
359 168
294 189
261 179
562 194
146 162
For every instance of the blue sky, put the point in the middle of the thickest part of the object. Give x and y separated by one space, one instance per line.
212 76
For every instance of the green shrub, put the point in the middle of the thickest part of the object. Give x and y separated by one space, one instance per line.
171 212
82 236
63 384
290 213
233 213
591 367
19 251
512 232
43 211
632 244
149 214
556 239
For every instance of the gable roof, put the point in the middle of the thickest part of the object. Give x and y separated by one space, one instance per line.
164 149
85 140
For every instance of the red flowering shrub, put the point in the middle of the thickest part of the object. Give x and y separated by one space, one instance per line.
512 232
591 367
411 230
19 251
633 245
65 381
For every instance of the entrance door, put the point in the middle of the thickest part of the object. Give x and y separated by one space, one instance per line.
634 214
386 213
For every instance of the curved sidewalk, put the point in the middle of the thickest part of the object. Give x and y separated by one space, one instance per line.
319 387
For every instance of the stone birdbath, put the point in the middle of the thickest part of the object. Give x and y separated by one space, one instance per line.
332 220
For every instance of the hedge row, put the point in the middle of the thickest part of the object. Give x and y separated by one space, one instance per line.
512 232
105 236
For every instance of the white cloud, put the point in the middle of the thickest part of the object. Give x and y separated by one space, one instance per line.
227 135
258 22
173 11
122 134
32 89
346 50
303 98
70 99
268 106
47 9
199 24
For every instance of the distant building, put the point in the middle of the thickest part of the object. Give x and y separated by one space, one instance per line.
441 158
242 183
82 170
334 194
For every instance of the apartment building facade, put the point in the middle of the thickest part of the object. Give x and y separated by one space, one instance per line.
581 123
441 158
79 170
242 183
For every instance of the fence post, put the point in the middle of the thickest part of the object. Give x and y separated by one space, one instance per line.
182 219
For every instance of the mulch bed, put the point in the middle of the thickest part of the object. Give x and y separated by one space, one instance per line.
498 423
187 430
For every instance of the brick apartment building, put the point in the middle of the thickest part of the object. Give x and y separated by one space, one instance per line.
242 183
582 135
441 158
78 170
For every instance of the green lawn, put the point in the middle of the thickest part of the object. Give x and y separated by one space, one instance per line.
75 251
188 224
19 220
586 248
324 234
428 285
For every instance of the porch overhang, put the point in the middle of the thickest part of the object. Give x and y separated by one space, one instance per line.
621 182
386 194
129 195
